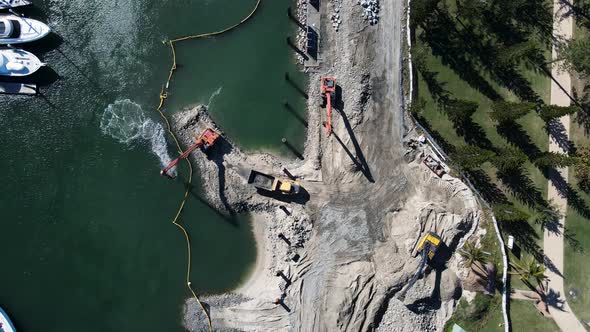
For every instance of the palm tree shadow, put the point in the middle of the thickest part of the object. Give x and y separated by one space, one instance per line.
554 299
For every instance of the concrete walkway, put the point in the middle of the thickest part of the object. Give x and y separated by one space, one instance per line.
553 238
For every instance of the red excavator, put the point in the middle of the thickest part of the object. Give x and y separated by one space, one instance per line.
328 89
206 140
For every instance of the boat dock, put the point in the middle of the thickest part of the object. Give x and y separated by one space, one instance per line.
18 88
313 34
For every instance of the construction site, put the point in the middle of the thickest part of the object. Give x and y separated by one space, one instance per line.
359 232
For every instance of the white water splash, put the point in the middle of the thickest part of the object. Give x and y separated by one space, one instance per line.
126 122
213 96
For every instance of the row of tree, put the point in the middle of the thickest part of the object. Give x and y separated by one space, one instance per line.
508 159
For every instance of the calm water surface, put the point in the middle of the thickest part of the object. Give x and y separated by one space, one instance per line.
86 242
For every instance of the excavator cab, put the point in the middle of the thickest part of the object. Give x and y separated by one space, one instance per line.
208 138
430 243
328 85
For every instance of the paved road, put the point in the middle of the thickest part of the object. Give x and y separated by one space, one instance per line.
552 239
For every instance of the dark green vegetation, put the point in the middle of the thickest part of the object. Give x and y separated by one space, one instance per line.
484 313
86 241
483 85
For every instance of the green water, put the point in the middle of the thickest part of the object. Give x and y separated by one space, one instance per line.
86 242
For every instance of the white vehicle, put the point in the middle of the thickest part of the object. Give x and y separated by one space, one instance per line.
17 30
15 62
7 4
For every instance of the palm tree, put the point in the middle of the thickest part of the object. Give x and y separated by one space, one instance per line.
472 255
529 271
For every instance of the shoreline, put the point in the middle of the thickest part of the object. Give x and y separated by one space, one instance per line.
250 285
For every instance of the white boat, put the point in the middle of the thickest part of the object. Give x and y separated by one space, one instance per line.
5 323
16 30
15 62
7 4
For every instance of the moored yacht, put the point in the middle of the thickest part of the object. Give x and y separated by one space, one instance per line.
15 62
7 4
16 30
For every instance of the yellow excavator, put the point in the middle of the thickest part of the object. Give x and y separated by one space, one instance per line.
426 247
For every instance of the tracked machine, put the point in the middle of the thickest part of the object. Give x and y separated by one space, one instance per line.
328 89
204 142
427 249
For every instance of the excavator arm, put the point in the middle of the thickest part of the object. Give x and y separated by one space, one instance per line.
329 108
206 139
418 273
185 154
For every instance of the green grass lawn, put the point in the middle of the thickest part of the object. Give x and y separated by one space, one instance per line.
577 252
525 317
577 256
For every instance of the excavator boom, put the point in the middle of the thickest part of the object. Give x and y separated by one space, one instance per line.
207 138
328 88
329 107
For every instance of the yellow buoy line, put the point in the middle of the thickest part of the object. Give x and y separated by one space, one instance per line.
163 96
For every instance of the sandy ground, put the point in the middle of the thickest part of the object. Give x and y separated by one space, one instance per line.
259 277
368 200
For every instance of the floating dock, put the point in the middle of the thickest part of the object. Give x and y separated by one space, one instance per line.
313 34
18 88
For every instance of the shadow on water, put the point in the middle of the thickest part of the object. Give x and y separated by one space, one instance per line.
294 19
193 190
293 150
294 85
296 49
31 11
45 76
40 47
83 74
293 112
231 218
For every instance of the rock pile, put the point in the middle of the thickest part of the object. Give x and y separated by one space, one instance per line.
335 17
370 10
302 17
